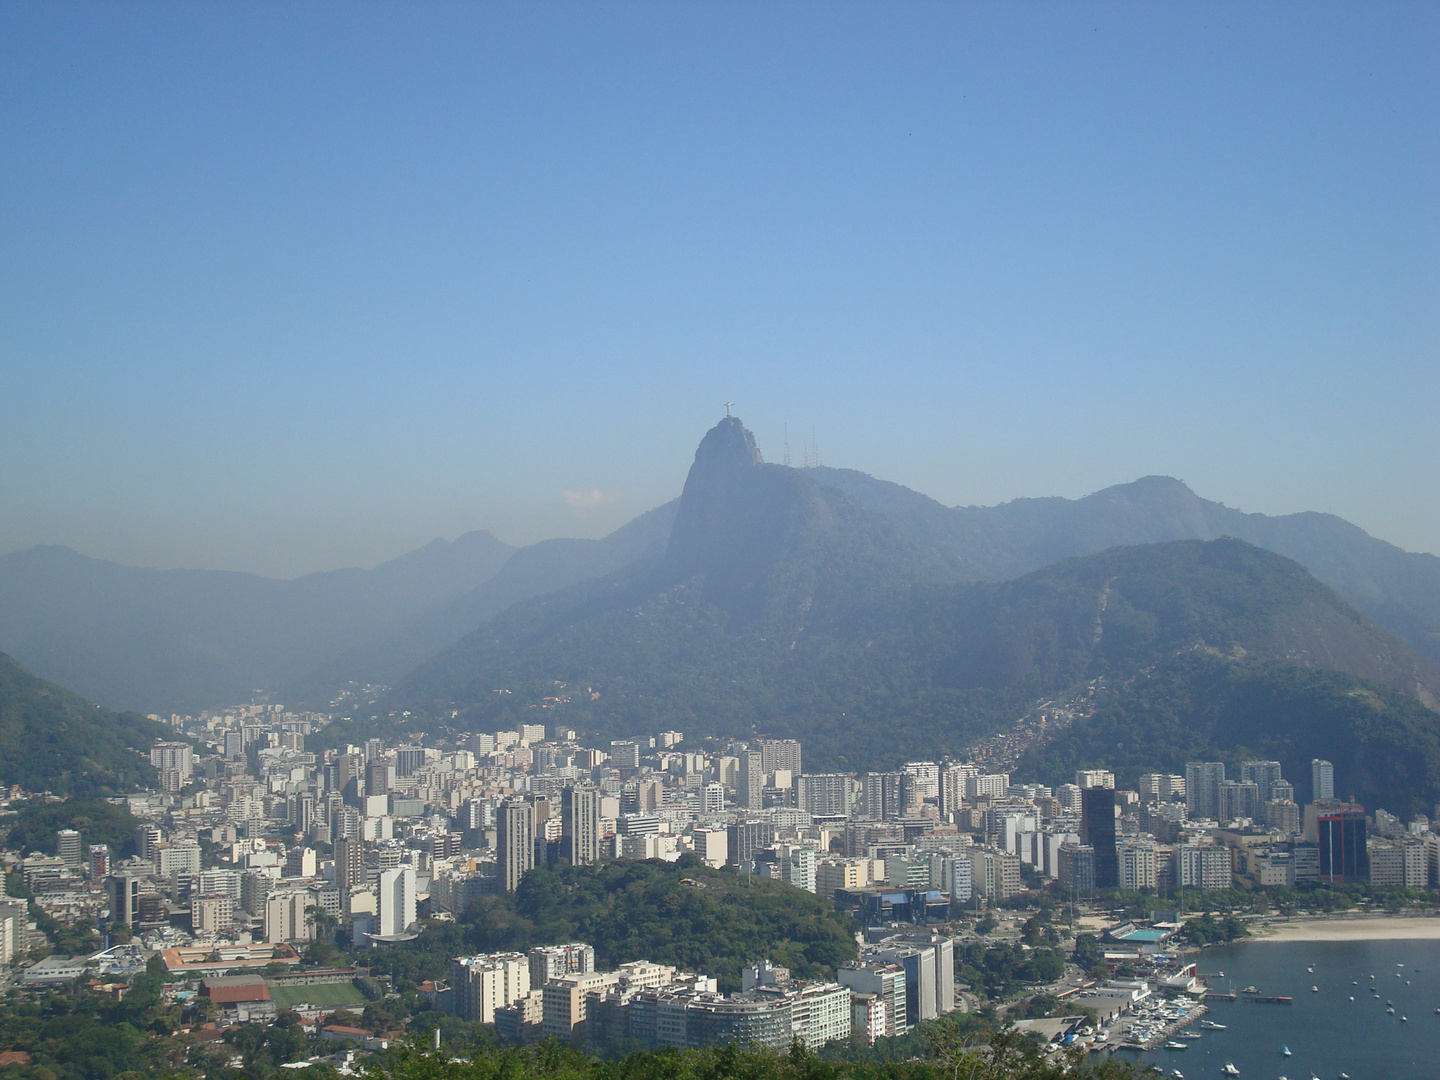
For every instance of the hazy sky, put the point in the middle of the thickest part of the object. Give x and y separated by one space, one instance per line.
287 287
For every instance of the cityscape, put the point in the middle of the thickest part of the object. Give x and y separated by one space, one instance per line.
254 847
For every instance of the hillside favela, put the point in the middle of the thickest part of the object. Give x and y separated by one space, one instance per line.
719 541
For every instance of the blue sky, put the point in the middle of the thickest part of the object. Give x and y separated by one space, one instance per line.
287 287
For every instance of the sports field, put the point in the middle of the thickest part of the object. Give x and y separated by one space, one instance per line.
326 995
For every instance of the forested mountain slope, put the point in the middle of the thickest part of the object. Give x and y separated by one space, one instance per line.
53 740
782 605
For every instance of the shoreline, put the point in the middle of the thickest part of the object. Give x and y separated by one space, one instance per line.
1350 928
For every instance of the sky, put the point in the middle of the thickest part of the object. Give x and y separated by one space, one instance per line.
291 287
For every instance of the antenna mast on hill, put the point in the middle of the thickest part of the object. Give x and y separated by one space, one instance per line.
787 446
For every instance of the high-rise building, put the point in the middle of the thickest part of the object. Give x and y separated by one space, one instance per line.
747 838
778 754
713 796
624 754
1263 774
824 794
750 782
1344 855
515 828
952 786
146 836
923 780
67 843
1238 799
1097 831
1088 778
409 760
553 961
1138 866
1202 866
881 796
712 846
123 891
1075 864
481 984
349 868
1202 788
580 825
99 861
1322 780
396 900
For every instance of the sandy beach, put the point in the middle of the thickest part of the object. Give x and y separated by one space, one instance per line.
1362 928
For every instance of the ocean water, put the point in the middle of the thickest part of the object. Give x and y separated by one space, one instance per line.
1326 1032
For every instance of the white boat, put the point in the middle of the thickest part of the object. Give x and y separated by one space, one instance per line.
1229 1069
1404 1019
1211 1025
1176 1074
1285 1050
1311 967
1314 989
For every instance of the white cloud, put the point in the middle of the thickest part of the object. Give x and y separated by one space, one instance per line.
583 501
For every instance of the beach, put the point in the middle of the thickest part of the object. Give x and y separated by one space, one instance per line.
1362 928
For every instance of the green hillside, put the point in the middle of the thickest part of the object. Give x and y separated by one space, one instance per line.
53 740
1203 707
682 913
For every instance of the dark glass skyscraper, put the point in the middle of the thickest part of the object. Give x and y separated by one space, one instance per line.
1097 829
1343 855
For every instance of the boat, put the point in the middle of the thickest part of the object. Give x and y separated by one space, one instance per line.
1352 997
1191 1035
1211 1025
1176 1074
1404 1019
1311 968
1285 1050
1229 1069
1172 1044
1251 990
1391 1010
1314 989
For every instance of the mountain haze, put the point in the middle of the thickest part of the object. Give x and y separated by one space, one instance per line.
163 640
783 605
1398 589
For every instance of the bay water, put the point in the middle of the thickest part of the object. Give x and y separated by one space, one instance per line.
1326 1031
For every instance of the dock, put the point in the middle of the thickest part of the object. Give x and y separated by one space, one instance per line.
1273 999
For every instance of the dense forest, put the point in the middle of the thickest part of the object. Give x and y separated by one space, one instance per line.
34 824
53 740
1203 707
683 913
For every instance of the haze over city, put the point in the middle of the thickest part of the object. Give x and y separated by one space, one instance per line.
296 288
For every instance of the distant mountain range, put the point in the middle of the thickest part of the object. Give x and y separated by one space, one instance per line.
182 640
783 605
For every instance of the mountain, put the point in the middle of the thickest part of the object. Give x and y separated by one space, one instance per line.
163 640
536 570
1201 707
53 740
1398 589
784 605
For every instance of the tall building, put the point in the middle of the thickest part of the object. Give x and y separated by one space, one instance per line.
349 868
99 861
1264 775
824 794
1322 780
1344 855
146 836
67 843
481 984
952 786
1238 799
1138 865
750 782
714 797
396 900
1075 864
1202 788
1097 831
552 961
580 825
881 796
778 754
923 780
746 839
515 827
1088 778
